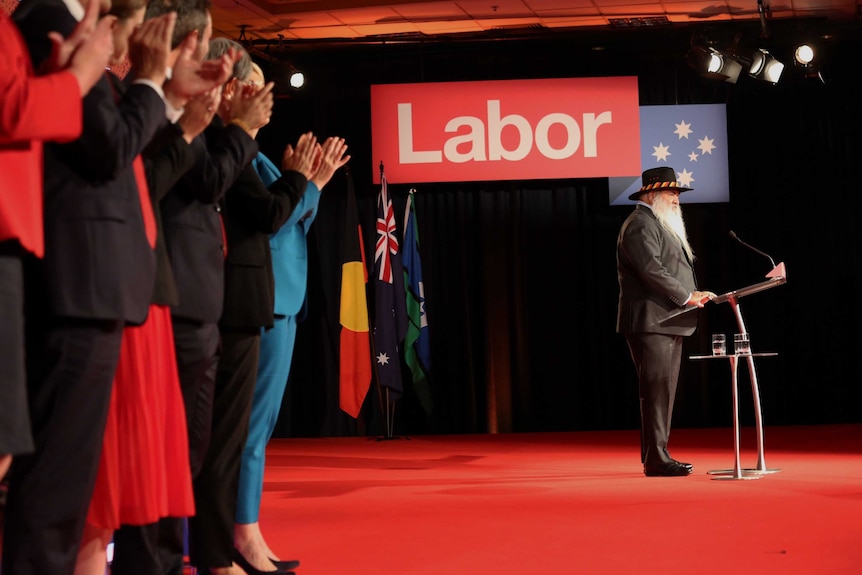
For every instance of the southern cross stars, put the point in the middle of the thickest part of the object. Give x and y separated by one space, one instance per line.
661 152
685 178
682 130
706 145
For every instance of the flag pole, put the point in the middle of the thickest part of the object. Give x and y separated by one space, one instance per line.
387 406
384 401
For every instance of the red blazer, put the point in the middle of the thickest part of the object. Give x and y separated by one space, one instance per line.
32 109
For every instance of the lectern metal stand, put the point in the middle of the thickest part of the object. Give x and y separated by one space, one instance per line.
738 472
776 277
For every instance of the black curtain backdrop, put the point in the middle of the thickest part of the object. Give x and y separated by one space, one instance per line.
520 276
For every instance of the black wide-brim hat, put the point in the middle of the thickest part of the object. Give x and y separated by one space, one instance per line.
658 179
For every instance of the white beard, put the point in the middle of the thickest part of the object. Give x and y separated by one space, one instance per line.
670 217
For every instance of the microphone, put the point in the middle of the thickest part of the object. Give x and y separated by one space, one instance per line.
752 248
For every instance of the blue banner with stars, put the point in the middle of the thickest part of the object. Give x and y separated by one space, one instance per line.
691 139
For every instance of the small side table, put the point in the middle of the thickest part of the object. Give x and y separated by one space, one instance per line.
738 472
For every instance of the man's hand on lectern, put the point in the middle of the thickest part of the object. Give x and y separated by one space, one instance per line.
701 298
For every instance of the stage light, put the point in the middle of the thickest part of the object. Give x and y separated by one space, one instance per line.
297 79
804 55
724 66
764 66
714 64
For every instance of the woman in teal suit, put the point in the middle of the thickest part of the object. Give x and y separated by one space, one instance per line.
290 269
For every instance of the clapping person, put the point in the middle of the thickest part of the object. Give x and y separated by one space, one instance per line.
144 472
196 248
290 270
251 212
96 277
33 109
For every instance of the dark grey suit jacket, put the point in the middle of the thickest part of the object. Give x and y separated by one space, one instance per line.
252 213
98 263
192 220
655 276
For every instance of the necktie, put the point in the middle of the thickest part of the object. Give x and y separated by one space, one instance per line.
223 230
146 204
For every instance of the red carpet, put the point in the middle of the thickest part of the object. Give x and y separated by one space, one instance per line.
566 503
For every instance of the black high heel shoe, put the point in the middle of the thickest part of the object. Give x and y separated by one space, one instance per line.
285 565
252 570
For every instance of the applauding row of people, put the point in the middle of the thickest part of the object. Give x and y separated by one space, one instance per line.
144 309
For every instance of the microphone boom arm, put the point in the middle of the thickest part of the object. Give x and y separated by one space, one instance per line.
752 248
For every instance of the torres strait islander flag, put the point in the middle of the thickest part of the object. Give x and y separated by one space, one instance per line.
691 139
417 342
354 374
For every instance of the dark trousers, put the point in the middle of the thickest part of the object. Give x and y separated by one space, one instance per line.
154 549
657 360
70 372
197 346
15 436
158 548
211 529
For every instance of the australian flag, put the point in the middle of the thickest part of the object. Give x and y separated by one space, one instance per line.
390 312
691 139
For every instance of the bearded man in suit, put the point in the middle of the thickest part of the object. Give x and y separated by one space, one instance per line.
656 278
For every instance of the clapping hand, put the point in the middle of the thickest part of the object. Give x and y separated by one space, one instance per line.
250 106
87 50
332 156
303 158
150 47
191 76
199 112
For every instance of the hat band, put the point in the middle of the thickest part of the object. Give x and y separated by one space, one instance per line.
659 185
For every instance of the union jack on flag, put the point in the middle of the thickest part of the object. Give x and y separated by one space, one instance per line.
387 242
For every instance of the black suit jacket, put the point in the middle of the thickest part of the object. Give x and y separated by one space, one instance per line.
98 263
655 276
253 212
167 158
192 221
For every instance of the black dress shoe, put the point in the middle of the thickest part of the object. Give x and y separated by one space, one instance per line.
285 565
252 570
669 469
687 465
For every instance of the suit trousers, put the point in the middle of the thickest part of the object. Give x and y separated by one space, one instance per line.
151 549
158 547
657 360
276 353
215 487
15 436
197 347
70 374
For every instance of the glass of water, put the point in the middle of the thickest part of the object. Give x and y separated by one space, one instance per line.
741 344
719 344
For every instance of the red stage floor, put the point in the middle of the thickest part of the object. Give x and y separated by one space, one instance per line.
566 503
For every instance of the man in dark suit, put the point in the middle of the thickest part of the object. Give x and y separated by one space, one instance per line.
656 277
195 241
252 213
97 275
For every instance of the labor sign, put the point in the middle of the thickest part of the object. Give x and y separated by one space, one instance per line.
506 130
